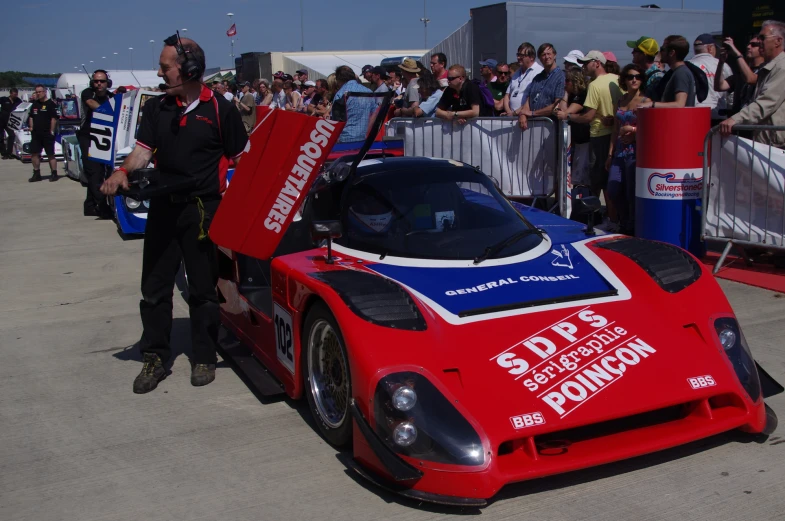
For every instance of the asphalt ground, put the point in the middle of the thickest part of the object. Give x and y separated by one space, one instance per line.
77 444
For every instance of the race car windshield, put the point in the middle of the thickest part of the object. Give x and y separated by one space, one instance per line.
446 212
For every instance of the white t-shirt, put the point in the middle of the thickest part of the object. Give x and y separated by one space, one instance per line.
279 100
715 100
229 96
520 80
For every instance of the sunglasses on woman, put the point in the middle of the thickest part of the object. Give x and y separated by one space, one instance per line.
634 77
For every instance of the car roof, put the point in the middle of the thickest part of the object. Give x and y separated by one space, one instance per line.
389 164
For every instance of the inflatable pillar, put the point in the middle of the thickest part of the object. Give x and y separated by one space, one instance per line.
669 175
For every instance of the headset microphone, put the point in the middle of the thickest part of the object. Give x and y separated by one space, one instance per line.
164 86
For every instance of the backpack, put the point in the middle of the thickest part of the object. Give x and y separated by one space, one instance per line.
487 97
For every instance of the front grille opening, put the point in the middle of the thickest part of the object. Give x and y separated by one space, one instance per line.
724 401
554 443
611 427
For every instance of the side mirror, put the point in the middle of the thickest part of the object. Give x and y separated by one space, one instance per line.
328 230
588 206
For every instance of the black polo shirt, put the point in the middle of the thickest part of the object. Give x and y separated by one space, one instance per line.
458 101
42 114
7 106
193 144
87 113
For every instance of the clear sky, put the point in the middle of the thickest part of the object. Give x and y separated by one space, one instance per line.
48 37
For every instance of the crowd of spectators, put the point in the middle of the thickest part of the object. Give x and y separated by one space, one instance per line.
591 91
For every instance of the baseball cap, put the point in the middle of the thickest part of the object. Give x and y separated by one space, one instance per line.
309 83
490 62
705 39
409 65
593 55
367 68
245 84
381 71
279 74
610 56
645 44
573 56
301 71
297 82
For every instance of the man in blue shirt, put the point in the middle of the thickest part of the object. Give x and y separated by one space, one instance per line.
546 89
356 112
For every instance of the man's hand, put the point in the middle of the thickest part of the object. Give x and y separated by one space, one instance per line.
561 114
729 42
116 180
644 105
461 121
607 121
726 127
523 121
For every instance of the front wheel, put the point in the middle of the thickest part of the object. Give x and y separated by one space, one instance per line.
328 383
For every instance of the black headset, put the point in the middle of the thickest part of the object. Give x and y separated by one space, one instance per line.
191 69
108 79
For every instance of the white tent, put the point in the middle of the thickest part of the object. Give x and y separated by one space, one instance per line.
71 80
322 64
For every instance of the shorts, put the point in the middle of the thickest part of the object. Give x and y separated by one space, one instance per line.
600 146
40 142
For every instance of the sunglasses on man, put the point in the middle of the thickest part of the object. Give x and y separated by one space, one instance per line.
502 73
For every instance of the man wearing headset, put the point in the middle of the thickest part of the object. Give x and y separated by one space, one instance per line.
191 134
94 96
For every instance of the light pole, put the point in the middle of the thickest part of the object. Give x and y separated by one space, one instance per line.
115 61
131 54
231 38
302 28
425 21
152 53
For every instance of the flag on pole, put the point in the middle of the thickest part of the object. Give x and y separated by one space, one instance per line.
232 31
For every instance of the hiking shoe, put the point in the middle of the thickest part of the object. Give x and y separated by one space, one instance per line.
152 372
202 374
36 176
54 177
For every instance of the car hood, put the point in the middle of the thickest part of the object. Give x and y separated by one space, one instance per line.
557 273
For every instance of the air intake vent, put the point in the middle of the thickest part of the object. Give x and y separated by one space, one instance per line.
375 299
670 267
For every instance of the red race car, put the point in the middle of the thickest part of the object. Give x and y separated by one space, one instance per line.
459 342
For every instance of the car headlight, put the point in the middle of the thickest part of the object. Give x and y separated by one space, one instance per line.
416 420
132 204
404 398
738 352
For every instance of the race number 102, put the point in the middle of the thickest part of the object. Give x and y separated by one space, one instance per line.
284 339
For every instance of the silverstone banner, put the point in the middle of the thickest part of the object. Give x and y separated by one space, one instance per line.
283 158
746 191
521 163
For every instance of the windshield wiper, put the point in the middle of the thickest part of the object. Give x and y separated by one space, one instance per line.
490 251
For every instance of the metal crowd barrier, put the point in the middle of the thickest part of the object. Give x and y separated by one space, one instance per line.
743 192
523 164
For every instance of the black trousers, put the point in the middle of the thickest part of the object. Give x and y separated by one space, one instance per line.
172 235
5 149
95 173
9 143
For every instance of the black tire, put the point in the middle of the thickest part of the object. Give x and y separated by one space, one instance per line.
329 395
